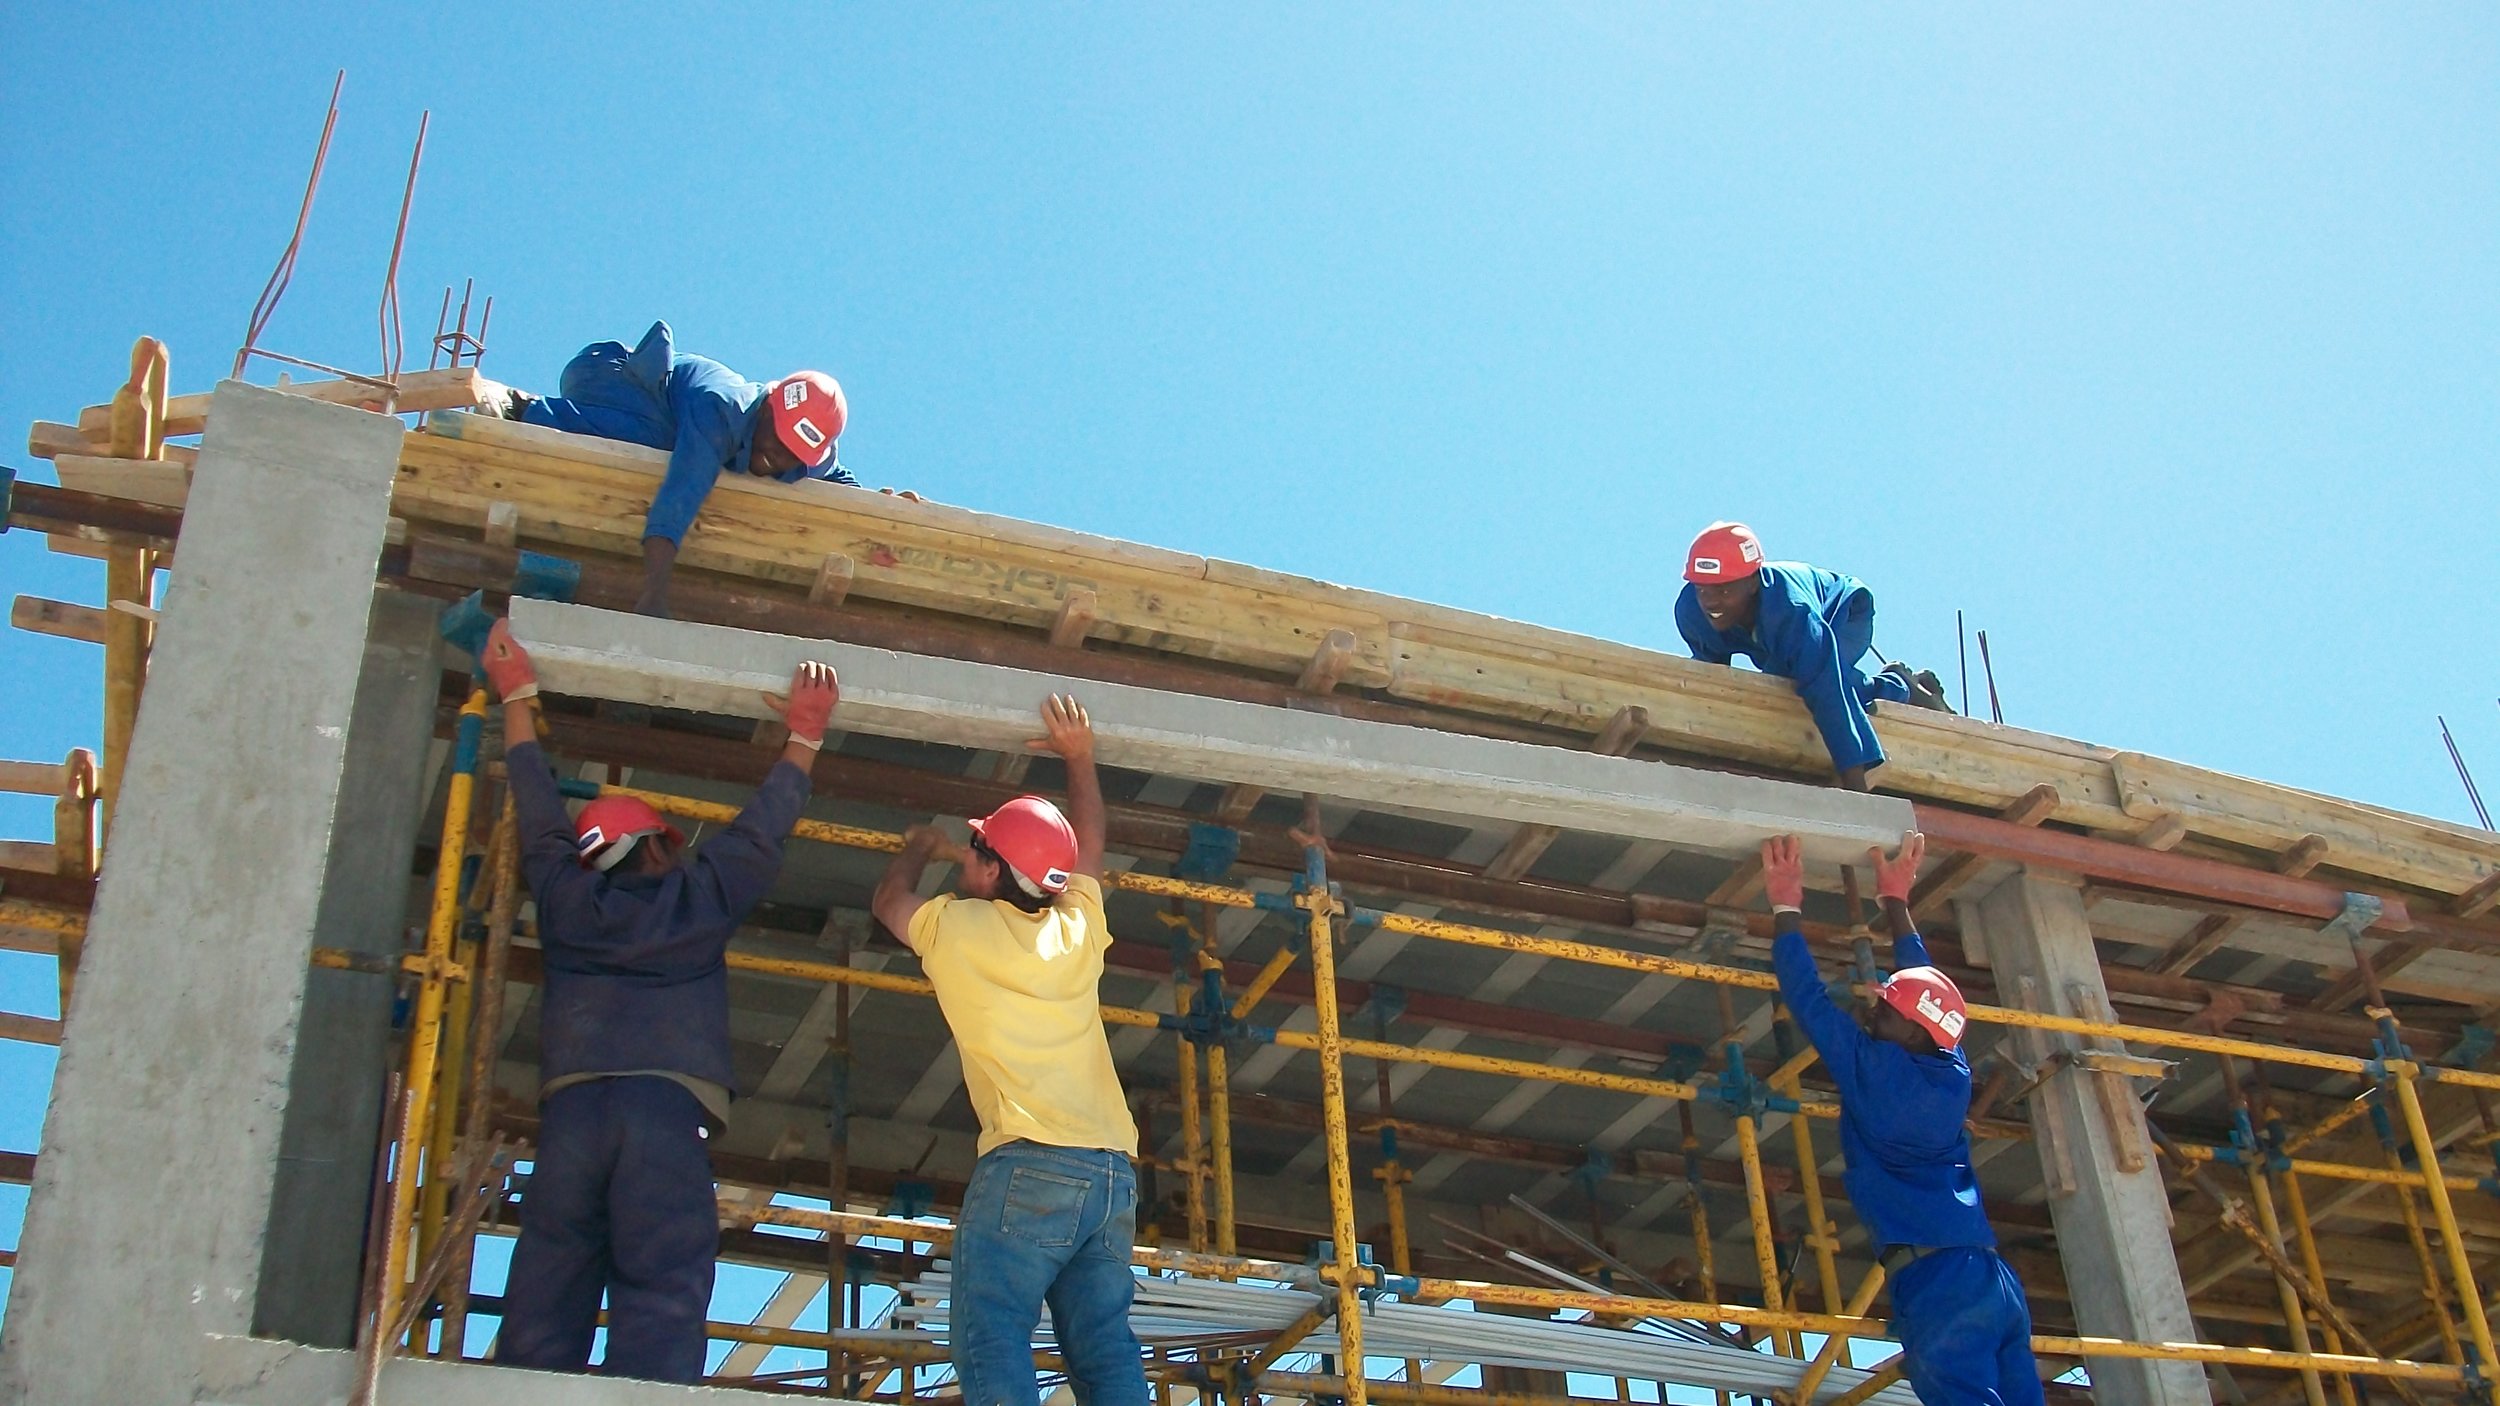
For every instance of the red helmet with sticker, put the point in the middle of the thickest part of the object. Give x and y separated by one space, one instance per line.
605 831
1931 1001
1725 551
809 412
1037 842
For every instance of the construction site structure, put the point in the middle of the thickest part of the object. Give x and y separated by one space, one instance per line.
1440 983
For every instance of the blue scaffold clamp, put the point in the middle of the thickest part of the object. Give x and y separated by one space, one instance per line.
1210 854
1742 1093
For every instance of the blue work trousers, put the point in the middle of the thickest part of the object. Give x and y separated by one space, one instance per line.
606 394
1854 634
621 1203
1965 1330
1046 1225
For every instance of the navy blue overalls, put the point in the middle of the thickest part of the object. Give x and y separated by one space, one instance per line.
633 1021
1811 627
1965 1327
704 414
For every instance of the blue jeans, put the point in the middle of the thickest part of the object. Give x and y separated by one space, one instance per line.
1965 1330
620 1202
1048 1225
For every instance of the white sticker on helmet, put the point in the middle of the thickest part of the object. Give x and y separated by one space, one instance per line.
793 394
1709 564
1751 551
807 431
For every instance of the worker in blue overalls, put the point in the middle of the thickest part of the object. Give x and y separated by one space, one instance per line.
1801 623
710 420
1964 1325
634 1061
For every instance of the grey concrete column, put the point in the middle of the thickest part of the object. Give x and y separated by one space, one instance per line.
317 1211
2113 1226
146 1223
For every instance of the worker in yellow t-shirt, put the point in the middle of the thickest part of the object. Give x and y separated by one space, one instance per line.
1050 1216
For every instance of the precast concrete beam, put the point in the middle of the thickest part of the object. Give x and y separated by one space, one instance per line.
716 669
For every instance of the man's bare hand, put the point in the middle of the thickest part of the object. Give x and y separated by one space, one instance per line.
1895 877
933 843
1069 731
1783 872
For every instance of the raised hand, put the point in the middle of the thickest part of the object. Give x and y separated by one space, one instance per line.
1895 877
809 707
1783 872
508 665
1068 731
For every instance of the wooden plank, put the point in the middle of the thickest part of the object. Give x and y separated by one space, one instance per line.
159 481
783 531
1076 619
28 856
33 778
29 1029
2478 900
2407 849
833 581
58 617
47 438
458 387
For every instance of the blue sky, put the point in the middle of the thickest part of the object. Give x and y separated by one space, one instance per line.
2164 343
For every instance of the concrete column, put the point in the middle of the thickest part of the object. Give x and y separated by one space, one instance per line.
145 1227
317 1211
2113 1226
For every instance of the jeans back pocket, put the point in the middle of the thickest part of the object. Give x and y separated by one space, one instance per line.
1044 1207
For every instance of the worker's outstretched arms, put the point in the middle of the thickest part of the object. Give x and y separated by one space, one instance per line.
741 862
1069 731
1894 879
1833 1031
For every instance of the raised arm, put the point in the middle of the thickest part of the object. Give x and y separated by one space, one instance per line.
1835 1034
1894 879
897 899
1071 735
546 832
1808 652
742 861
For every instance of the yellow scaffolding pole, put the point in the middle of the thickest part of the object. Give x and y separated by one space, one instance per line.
425 1036
1193 1146
2315 1271
1347 1273
2401 1074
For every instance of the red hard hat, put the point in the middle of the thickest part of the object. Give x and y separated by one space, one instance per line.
1035 840
1931 1000
1725 551
603 831
808 413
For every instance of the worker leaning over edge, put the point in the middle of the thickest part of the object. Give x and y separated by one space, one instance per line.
1016 955
710 419
1905 1090
634 1038
1800 623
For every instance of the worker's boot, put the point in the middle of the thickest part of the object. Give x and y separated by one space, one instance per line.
1926 690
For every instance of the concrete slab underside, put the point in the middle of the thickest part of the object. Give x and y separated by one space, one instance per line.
144 1228
714 669
257 1372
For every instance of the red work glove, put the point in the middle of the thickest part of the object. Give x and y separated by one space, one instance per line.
1895 877
508 665
1783 873
813 692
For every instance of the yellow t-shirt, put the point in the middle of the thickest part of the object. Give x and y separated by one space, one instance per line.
1022 992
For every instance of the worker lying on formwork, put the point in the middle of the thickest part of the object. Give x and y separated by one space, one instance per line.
710 419
1964 1325
1803 624
634 1063
1016 955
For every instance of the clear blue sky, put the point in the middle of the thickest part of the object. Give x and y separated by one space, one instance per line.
2166 345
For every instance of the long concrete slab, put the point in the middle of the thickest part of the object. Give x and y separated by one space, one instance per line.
717 669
